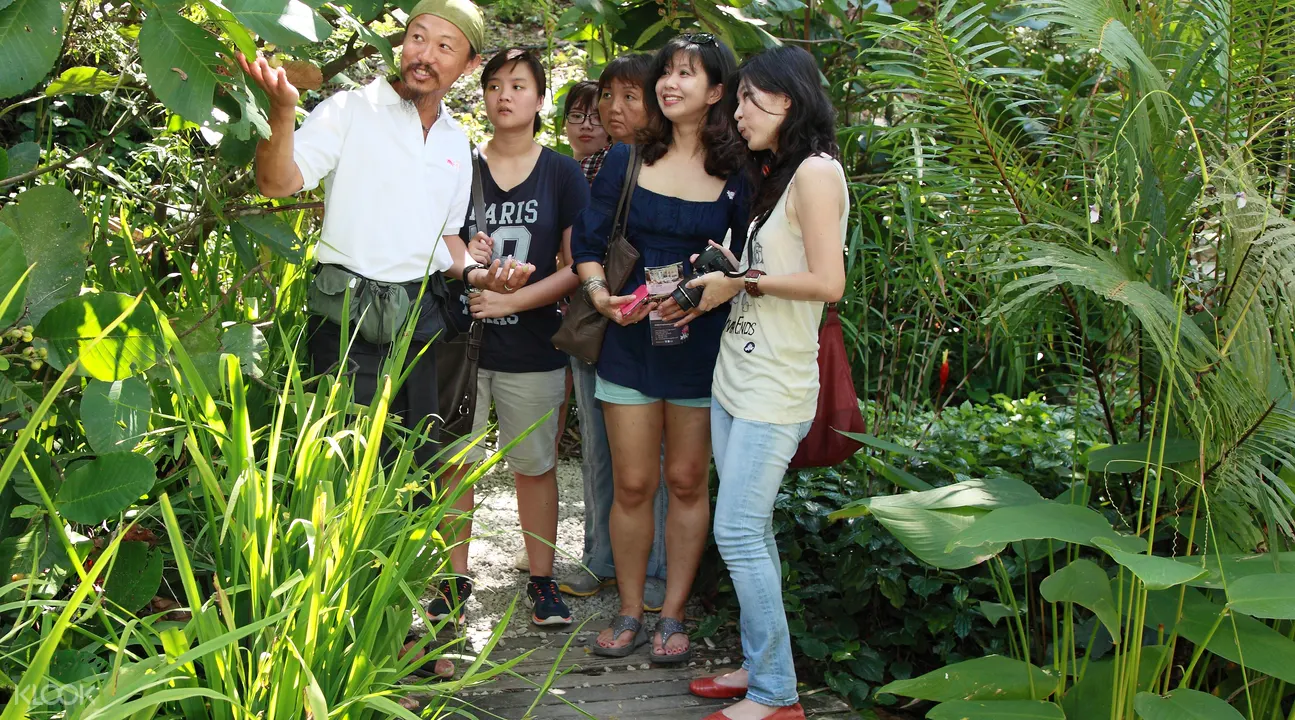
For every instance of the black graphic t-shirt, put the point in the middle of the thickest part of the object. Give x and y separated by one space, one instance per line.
527 223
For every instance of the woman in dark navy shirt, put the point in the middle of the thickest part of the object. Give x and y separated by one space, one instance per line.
653 378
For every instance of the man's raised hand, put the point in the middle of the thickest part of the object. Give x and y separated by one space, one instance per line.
274 81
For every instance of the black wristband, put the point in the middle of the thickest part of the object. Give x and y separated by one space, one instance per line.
469 269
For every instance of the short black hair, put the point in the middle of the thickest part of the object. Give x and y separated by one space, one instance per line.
631 69
514 56
583 94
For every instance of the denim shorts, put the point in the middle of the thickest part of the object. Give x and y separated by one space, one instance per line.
610 392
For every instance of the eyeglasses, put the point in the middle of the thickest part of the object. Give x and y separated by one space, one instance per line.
698 38
578 118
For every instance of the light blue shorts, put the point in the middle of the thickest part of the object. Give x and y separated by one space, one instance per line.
610 392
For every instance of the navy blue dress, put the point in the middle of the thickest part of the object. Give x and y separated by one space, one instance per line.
665 230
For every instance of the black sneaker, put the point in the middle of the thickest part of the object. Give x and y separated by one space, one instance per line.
450 595
549 608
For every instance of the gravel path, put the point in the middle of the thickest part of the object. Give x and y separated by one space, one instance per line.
497 541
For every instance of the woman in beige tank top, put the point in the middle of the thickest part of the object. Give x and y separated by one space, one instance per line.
766 379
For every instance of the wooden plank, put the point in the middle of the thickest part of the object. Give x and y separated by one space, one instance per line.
588 685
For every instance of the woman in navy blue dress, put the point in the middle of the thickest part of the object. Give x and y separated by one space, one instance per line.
654 379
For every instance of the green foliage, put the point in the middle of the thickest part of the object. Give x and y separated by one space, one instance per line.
863 606
31 33
989 678
101 488
54 234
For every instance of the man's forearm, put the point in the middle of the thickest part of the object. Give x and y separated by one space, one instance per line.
277 174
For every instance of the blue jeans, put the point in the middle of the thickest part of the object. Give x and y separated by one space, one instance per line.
596 467
752 458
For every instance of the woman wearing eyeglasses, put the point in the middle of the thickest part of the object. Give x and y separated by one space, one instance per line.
766 379
654 380
585 132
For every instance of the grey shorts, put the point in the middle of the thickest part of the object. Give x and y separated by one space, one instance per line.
520 400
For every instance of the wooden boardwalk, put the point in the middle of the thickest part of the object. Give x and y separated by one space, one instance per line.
589 686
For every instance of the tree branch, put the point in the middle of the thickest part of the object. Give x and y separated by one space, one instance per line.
356 54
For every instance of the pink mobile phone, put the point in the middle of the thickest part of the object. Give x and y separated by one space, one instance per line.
640 295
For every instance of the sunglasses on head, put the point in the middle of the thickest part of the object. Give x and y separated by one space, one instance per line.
698 38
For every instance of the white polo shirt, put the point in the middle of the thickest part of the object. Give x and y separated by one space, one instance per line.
389 195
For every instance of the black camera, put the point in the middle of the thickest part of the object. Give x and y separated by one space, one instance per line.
712 259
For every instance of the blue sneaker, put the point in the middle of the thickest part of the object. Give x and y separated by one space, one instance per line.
549 607
450 597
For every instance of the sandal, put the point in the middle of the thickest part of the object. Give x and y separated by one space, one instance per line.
666 628
618 626
426 669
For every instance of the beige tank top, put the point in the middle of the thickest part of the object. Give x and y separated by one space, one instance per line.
768 359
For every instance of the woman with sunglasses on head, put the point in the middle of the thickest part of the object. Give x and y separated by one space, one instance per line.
532 196
654 379
766 379
619 107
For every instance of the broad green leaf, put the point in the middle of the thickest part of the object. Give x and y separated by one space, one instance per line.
1045 520
980 494
282 22
82 80
181 61
902 478
1084 583
1157 573
233 29
1270 596
23 158
927 534
55 236
276 235
246 342
201 340
133 346
995 612
1184 704
1005 710
878 443
1238 638
989 678
1090 696
25 486
13 276
136 576
4 160
1234 567
115 414
102 488
1132 457
31 34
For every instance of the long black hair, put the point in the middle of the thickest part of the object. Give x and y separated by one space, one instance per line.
724 147
808 128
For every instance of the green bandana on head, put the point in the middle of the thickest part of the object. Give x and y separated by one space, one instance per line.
462 14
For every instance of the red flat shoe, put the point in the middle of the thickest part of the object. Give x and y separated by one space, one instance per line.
707 687
790 712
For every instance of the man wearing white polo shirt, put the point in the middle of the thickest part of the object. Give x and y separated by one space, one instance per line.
397 174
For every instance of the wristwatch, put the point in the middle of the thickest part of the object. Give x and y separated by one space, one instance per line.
752 283
467 270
